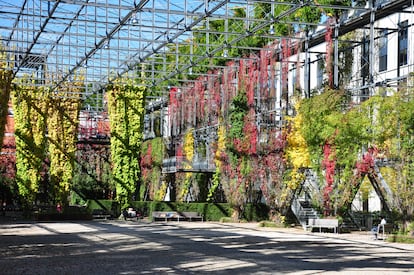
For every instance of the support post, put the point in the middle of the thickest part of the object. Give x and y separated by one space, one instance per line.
371 48
336 53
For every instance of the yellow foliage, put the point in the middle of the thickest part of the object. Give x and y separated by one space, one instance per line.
221 145
161 192
188 151
188 146
390 176
297 150
365 188
296 177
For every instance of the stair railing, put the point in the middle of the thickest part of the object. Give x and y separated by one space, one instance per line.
297 209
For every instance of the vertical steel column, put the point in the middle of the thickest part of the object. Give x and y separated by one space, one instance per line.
307 66
207 27
153 39
336 53
371 47
108 59
117 43
226 32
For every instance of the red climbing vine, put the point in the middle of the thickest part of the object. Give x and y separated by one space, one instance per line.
328 163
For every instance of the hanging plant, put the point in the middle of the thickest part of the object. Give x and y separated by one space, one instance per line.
218 161
160 194
394 126
329 50
188 154
320 117
6 75
151 167
238 111
92 175
126 113
30 108
328 164
62 123
297 152
269 171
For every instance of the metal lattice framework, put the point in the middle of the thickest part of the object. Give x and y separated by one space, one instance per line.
54 41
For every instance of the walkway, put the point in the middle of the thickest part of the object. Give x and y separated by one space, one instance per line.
124 247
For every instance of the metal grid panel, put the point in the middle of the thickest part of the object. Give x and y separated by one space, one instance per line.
56 40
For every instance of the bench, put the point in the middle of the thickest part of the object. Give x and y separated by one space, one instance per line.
324 223
190 216
100 214
383 230
176 216
166 216
131 214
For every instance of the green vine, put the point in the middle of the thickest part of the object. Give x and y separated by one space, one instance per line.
218 161
188 151
62 123
151 167
381 122
5 88
30 107
126 113
237 114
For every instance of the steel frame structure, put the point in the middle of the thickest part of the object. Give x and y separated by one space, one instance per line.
54 41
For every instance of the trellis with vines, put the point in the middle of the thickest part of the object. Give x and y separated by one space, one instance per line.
7 161
5 88
151 168
126 113
30 106
62 125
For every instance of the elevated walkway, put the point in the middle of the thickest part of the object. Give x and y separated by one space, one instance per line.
180 164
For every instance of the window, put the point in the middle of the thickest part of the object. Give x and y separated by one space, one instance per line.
403 43
383 50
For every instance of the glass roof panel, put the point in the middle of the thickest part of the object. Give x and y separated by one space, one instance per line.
54 40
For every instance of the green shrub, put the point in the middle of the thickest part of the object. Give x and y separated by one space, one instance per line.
398 238
256 212
68 213
210 211
99 204
411 227
271 224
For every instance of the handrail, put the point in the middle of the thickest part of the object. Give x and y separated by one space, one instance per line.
296 209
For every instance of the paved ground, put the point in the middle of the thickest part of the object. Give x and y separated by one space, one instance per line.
126 247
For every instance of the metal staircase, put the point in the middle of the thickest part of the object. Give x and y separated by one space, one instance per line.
382 189
352 221
301 203
303 212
